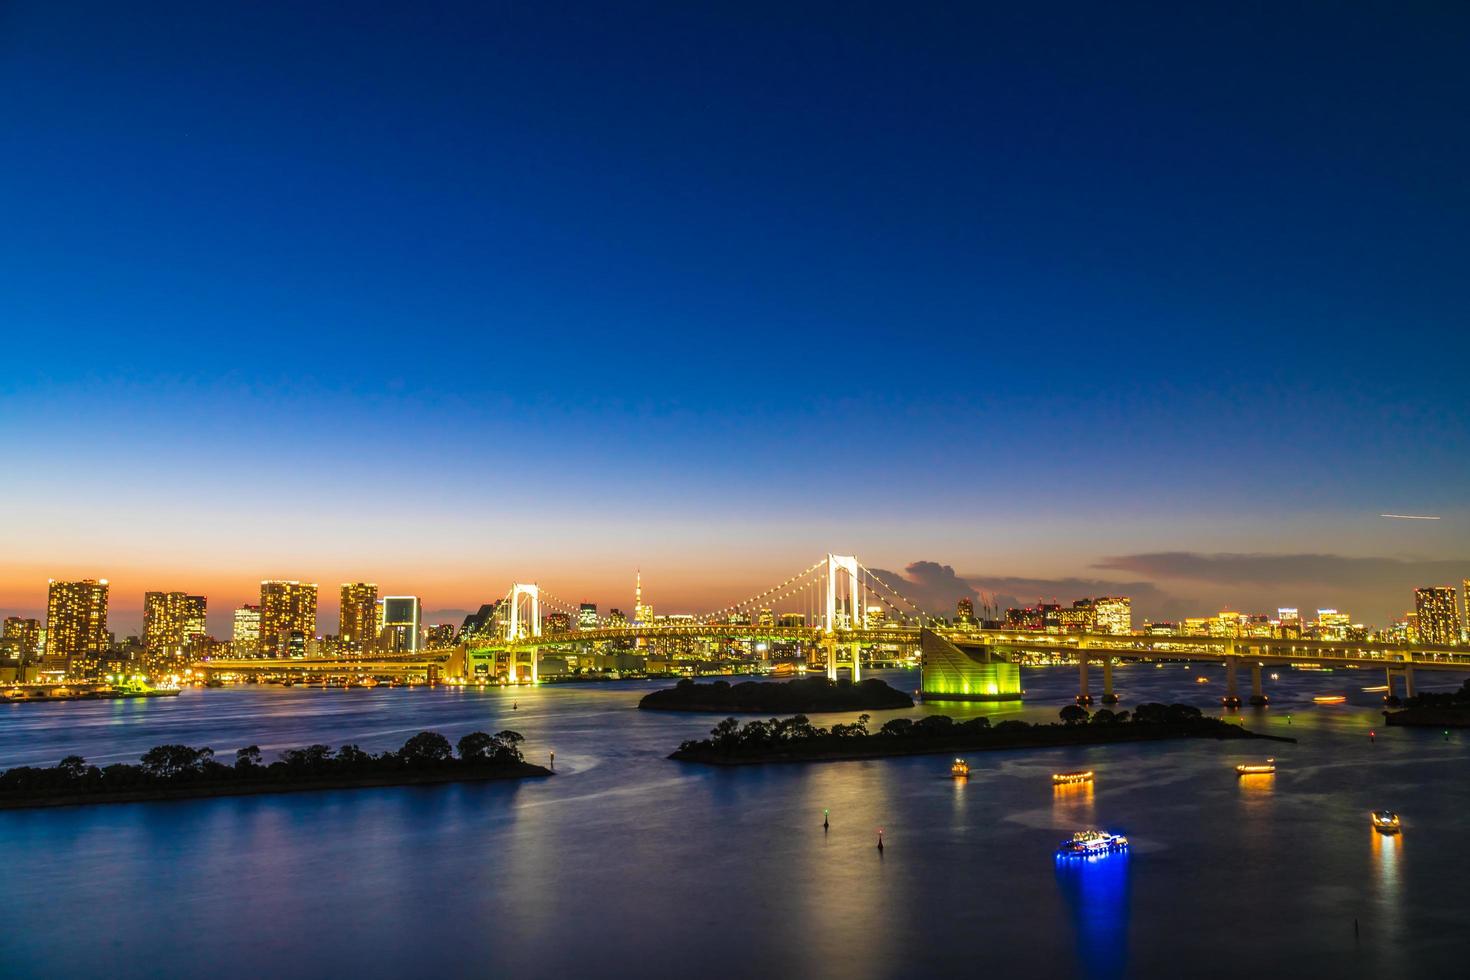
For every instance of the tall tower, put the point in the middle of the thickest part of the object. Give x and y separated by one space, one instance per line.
358 631
287 617
76 625
642 615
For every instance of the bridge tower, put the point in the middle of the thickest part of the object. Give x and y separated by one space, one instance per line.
849 565
518 627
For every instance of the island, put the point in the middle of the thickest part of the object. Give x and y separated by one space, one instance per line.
798 740
807 695
176 772
1434 709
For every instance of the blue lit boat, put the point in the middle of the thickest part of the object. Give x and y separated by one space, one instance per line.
1089 844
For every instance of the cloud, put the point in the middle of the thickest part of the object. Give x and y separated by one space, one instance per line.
1303 569
936 587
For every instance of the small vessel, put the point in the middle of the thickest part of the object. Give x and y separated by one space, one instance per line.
1276 677
1256 768
1068 778
1376 689
1092 844
1201 680
1329 699
960 769
1385 821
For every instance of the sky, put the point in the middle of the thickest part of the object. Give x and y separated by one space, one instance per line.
1026 300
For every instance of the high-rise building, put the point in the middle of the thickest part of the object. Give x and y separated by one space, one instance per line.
766 617
23 636
170 620
245 631
480 626
1465 619
791 620
1333 625
76 626
358 632
557 622
1080 618
587 616
1439 615
1113 614
400 633
287 617
438 636
964 612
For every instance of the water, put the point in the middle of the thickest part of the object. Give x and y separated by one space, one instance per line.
627 863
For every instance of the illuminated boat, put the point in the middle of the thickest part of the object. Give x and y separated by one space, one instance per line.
960 769
1202 680
1092 844
1256 768
1329 699
1276 677
1385 821
1068 778
1377 689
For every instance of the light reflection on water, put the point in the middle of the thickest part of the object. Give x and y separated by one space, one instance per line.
626 861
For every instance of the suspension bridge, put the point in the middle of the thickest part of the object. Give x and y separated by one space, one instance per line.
829 614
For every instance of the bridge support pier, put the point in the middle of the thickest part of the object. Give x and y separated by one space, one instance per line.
1258 695
1408 682
831 647
1232 689
1083 695
1108 696
535 666
510 666
857 663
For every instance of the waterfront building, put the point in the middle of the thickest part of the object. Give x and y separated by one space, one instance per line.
24 638
76 626
438 636
557 622
1079 618
287 616
791 619
615 618
357 631
874 617
168 621
1439 615
587 616
1332 625
1113 614
245 631
401 616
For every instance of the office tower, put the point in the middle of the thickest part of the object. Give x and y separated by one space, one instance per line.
557 622
245 631
1113 614
76 625
480 626
400 633
438 636
1332 625
766 617
587 616
287 617
1080 618
1439 615
1465 617
358 631
616 618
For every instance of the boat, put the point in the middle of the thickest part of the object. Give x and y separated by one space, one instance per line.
1329 699
1068 778
1376 689
1276 677
1385 821
1090 844
960 769
1202 680
1256 768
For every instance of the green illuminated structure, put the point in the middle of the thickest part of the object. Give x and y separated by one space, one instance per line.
955 673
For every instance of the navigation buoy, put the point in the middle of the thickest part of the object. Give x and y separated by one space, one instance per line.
880 838
824 819
1373 736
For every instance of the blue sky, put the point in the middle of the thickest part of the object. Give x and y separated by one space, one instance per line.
472 292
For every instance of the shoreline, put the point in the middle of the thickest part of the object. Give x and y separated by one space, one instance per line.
157 794
897 747
1428 717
